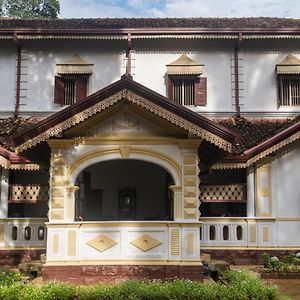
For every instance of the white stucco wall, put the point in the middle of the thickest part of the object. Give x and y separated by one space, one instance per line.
258 59
286 170
286 197
107 58
151 57
258 80
8 55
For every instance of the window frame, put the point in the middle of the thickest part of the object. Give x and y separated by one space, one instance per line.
80 88
286 98
199 94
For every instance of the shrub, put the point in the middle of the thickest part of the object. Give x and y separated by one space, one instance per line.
245 285
289 263
8 277
56 290
239 286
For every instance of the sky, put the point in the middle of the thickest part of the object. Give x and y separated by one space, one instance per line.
179 8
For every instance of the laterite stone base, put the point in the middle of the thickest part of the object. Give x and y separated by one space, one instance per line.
91 274
274 275
244 257
14 257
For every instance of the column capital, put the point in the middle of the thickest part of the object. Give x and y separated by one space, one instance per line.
189 143
175 188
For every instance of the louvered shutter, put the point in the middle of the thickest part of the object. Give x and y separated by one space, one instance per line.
59 93
201 91
81 88
170 89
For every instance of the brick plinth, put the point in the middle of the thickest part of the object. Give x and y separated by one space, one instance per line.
243 257
92 274
14 257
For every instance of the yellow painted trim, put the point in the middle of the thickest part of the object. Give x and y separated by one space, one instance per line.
221 220
288 219
124 262
55 243
56 214
122 224
260 191
189 143
266 233
253 232
31 220
132 139
146 152
101 243
2 232
215 247
72 243
189 159
146 242
175 242
190 243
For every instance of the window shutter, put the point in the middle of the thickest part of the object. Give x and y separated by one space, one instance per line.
59 92
201 91
279 90
81 88
170 89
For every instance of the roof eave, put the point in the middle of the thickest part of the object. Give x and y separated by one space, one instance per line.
127 83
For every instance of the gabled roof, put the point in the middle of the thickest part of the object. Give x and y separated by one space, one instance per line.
124 89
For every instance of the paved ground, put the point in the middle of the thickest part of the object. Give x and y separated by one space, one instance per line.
287 287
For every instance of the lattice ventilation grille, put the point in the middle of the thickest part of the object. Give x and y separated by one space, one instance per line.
230 192
28 193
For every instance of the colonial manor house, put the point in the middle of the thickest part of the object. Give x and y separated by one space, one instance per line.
130 146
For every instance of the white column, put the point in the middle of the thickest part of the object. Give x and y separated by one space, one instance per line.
250 192
4 187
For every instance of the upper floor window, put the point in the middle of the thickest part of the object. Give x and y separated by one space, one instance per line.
71 84
185 87
288 78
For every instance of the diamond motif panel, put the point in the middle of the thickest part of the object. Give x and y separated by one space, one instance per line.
145 242
101 243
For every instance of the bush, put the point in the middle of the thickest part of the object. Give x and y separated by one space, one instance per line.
245 285
8 277
238 286
289 263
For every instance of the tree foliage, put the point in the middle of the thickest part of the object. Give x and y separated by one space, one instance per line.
29 8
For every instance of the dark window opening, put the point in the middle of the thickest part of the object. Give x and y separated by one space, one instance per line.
289 90
223 193
70 89
124 190
188 90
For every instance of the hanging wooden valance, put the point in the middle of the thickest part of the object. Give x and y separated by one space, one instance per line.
184 66
75 65
290 65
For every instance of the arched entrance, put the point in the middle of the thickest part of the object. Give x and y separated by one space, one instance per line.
124 189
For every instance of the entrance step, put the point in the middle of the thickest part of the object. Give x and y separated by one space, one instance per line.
32 268
218 265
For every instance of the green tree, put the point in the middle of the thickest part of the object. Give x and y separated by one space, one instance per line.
29 8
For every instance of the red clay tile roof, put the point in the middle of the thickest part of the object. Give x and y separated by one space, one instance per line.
254 132
121 23
9 126
126 82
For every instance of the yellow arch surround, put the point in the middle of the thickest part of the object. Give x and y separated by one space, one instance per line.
135 150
